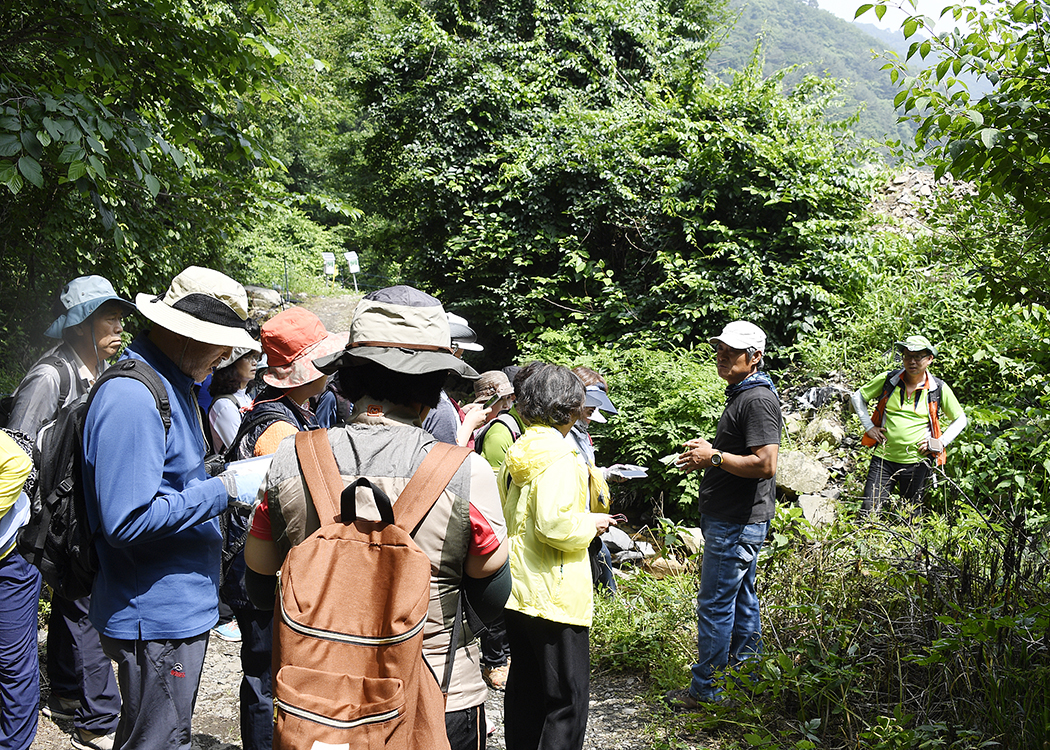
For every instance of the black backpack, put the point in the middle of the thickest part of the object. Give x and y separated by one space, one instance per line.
57 539
65 382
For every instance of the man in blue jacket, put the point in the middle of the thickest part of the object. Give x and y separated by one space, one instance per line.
156 511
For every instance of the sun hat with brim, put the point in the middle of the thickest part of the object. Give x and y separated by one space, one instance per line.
292 340
203 305
916 344
463 335
79 299
402 329
596 396
741 335
238 352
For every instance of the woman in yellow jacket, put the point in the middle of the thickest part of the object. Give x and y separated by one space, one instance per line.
544 489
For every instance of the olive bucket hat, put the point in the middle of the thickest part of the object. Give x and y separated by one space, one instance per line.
402 329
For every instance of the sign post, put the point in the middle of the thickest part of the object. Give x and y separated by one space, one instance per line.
355 267
329 266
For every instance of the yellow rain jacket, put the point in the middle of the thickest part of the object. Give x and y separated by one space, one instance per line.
544 489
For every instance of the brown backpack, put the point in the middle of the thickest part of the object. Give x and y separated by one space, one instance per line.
352 603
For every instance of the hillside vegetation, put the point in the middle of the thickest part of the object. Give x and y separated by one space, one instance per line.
589 182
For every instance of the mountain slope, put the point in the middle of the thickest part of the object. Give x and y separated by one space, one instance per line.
795 33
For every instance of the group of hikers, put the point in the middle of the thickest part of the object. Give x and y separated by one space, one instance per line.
384 554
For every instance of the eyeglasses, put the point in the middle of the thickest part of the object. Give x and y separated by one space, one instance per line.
915 356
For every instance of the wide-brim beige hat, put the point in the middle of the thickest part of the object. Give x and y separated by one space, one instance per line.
402 329
203 305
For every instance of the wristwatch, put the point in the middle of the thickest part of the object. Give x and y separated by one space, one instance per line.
716 458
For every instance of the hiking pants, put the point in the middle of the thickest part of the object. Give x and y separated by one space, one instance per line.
78 668
466 728
256 685
494 647
883 476
158 683
548 687
19 670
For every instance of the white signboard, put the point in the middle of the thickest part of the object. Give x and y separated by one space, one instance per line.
351 260
329 263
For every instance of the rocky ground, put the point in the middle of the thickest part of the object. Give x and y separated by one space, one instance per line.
617 713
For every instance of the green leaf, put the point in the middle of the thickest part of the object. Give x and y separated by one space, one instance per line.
989 137
862 10
77 169
152 184
9 145
30 169
11 123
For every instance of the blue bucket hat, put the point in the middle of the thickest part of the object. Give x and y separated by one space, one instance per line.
79 299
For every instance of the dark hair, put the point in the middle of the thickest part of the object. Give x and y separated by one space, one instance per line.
225 380
551 395
523 374
374 380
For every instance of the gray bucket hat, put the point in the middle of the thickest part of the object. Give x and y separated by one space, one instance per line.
79 299
402 329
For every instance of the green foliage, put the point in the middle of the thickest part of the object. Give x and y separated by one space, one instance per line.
649 627
928 635
538 162
999 140
797 33
654 419
286 244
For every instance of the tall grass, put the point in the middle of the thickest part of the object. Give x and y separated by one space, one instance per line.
881 634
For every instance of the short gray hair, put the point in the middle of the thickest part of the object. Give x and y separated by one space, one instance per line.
551 395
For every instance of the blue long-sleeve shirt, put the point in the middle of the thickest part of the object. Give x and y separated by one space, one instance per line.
156 508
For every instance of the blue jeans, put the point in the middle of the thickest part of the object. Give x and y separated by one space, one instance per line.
729 630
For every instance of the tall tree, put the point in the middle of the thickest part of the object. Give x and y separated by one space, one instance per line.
130 136
998 141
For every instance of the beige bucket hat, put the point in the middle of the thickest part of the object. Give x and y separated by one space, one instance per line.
203 305
401 329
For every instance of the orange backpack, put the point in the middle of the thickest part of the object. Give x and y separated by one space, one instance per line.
352 602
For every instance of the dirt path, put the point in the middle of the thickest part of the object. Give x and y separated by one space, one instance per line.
617 714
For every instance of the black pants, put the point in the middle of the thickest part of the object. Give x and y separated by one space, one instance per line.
77 667
494 646
883 476
256 685
466 729
548 688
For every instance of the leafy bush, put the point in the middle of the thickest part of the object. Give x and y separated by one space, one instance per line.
664 397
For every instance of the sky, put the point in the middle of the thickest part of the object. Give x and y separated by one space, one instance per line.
893 18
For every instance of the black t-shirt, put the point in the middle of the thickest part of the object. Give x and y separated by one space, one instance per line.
751 419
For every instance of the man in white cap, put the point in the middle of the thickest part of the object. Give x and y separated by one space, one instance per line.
737 497
89 324
155 511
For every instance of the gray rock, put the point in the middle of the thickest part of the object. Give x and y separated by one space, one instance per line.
617 540
259 297
817 509
824 430
692 539
798 474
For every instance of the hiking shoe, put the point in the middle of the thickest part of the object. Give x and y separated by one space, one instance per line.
229 632
60 709
681 700
496 677
90 741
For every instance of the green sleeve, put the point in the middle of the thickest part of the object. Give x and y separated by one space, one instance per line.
950 404
495 444
873 388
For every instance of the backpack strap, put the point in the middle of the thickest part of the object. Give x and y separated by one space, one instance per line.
142 372
65 377
320 471
427 484
249 421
